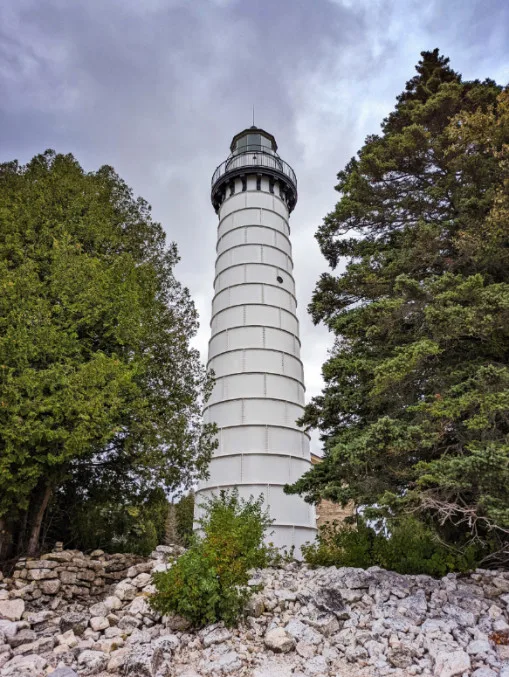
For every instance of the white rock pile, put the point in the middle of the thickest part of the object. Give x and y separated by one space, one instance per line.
302 623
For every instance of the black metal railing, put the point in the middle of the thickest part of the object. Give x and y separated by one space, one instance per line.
253 159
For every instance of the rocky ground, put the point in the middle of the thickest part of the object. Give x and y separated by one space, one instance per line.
304 623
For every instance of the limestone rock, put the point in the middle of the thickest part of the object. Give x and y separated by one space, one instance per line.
255 606
273 668
77 622
12 609
279 640
141 580
67 639
176 623
63 672
8 629
450 663
51 587
112 603
316 666
478 646
228 663
91 662
330 599
139 605
25 666
167 643
305 650
145 661
101 609
125 591
484 672
110 645
216 636
325 623
117 659
98 623
302 632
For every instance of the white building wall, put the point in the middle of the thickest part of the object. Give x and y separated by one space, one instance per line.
254 351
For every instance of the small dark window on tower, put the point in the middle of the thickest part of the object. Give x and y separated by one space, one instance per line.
258 182
279 279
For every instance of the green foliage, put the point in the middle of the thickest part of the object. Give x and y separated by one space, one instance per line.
113 526
98 382
208 583
408 546
415 411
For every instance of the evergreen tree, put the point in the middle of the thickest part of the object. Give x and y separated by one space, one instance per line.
415 411
99 386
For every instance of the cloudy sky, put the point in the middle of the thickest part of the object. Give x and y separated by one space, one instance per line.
157 88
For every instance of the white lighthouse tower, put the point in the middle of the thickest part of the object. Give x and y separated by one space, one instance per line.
255 348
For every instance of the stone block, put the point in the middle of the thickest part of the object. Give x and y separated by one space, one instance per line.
41 574
12 609
41 564
50 587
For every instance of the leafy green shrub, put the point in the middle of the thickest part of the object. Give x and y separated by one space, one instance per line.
208 583
407 546
341 545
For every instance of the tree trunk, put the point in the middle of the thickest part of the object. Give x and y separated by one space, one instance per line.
20 541
171 536
5 539
35 532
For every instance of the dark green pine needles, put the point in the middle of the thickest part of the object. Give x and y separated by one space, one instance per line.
414 415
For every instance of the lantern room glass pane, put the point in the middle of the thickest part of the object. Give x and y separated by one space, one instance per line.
241 144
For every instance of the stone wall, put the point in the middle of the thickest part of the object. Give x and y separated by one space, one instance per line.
327 511
70 574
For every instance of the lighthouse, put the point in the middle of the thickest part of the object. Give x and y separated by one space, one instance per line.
254 349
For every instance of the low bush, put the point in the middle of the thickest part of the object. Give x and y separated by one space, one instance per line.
407 546
208 583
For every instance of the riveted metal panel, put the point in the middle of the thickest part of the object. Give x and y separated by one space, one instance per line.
254 412
253 253
253 337
253 293
277 296
225 470
269 439
232 316
252 234
259 384
242 439
267 274
269 361
256 469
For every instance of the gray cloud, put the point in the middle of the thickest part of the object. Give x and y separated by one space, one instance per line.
158 88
